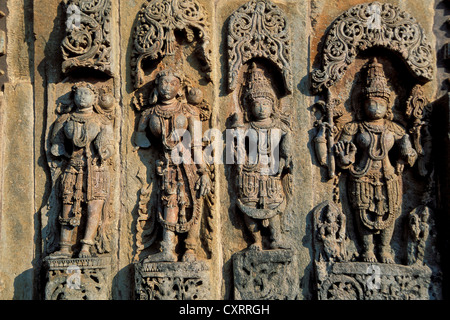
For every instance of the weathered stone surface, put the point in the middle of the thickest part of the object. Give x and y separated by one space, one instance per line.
172 280
265 275
78 279
286 39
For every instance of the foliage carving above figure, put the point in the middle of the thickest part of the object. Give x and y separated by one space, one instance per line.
155 33
81 147
373 25
88 36
259 29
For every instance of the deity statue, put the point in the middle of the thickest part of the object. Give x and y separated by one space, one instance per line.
374 181
183 184
267 160
83 138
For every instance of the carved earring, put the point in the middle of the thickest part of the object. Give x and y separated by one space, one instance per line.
153 96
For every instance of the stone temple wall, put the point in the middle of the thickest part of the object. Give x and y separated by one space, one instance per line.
224 149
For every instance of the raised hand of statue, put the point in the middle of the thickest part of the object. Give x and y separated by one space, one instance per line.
346 152
203 185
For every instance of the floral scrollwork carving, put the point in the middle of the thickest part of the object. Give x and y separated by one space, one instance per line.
88 39
259 29
154 35
370 25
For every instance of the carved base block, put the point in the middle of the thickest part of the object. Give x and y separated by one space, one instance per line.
372 281
78 279
172 280
265 275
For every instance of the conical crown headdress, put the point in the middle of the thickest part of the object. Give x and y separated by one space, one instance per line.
376 81
258 86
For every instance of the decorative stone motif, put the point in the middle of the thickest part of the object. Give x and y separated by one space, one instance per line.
88 40
369 25
265 275
259 29
172 280
77 279
154 36
366 281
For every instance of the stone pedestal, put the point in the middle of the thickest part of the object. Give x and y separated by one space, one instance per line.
78 279
372 281
265 275
172 280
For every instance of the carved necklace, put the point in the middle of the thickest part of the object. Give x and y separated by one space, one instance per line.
168 113
372 130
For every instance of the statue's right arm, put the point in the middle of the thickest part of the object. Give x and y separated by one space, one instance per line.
57 139
141 139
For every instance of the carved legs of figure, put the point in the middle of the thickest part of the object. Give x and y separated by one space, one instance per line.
94 212
368 254
385 244
191 243
66 235
252 226
275 233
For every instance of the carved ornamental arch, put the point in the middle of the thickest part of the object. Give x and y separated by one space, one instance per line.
259 29
154 36
373 25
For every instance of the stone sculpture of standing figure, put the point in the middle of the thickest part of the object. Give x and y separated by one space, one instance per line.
184 183
84 137
262 195
374 184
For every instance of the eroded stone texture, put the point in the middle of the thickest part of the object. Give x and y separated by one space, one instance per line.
78 279
172 281
265 275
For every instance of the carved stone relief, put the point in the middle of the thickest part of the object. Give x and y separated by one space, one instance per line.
263 159
371 25
367 143
78 279
154 37
172 281
265 275
88 36
2 42
173 115
81 146
259 29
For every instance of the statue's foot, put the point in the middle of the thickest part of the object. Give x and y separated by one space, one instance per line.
368 256
255 246
277 244
162 256
61 254
84 254
386 257
189 256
